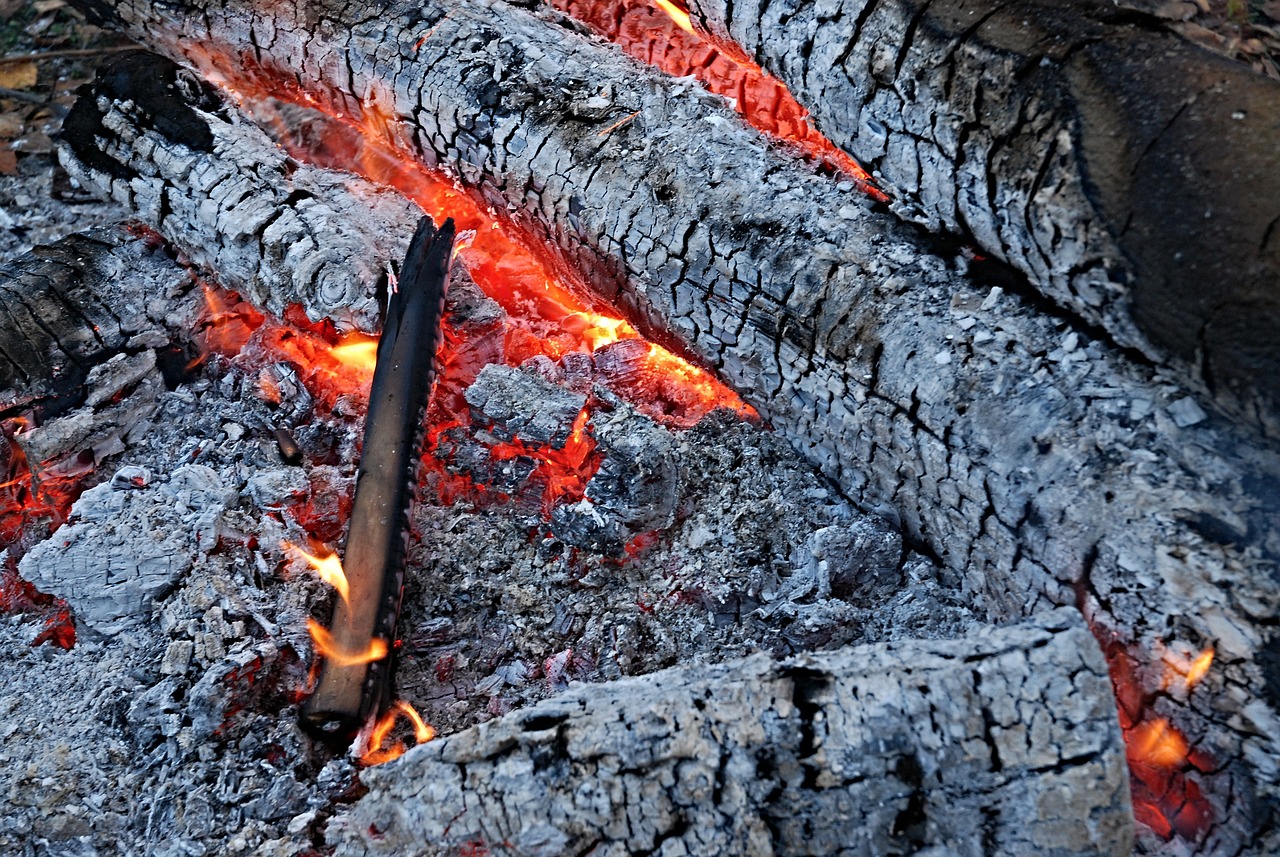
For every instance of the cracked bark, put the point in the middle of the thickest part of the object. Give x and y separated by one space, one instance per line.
872 749
1130 175
69 307
1042 465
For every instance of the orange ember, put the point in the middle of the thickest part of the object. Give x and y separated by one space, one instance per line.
328 648
328 568
358 352
378 750
661 34
1155 742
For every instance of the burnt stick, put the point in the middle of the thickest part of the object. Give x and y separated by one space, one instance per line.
374 560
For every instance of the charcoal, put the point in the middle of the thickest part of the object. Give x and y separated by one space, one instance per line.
519 404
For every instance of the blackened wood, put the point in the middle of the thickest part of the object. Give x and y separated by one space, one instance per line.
386 484
878 749
70 306
1132 176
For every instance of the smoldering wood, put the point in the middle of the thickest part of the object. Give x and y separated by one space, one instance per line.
1131 175
68 307
386 484
158 139
1042 465
1000 743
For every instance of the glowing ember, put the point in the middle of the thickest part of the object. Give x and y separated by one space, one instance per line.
378 750
1155 742
328 648
328 568
1183 671
662 35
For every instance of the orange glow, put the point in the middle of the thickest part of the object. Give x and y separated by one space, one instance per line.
1156 742
1185 671
660 33
598 330
678 15
378 751
328 568
328 648
358 352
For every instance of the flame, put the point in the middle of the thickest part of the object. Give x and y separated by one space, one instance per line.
598 330
1156 742
377 752
358 352
328 568
328 647
1182 670
680 16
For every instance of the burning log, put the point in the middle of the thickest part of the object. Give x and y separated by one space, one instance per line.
876 748
354 677
1042 465
1052 134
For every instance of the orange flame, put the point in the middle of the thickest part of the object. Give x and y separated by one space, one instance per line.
680 16
377 753
1181 669
328 647
328 568
598 330
358 352
1158 743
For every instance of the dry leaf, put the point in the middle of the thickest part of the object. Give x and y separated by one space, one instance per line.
8 163
18 75
11 125
9 8
43 6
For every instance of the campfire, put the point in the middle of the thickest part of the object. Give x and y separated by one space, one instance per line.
514 429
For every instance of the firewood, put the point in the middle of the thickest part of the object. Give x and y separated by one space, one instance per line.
66 308
872 749
1038 462
1119 167
367 612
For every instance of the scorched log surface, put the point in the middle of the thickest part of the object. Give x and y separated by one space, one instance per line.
1043 465
1134 177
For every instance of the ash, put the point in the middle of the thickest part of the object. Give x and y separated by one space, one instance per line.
171 726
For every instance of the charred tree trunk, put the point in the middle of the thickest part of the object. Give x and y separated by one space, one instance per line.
1132 176
1043 465
872 749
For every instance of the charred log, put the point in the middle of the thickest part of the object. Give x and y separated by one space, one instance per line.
1042 465
875 749
1132 176
67 308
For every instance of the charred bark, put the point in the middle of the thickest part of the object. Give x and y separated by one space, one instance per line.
278 231
1133 177
1043 465
872 749
70 307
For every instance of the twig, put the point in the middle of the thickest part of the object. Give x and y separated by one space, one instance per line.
616 125
19 95
68 53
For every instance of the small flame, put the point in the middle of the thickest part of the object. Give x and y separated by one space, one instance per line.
357 352
328 568
1182 669
598 330
377 753
680 16
328 647
1158 743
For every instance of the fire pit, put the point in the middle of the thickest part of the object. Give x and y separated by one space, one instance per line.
751 518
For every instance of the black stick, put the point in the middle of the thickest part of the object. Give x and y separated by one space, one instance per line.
377 541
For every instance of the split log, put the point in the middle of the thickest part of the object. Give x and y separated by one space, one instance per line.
67 308
1041 464
1128 173
1003 743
